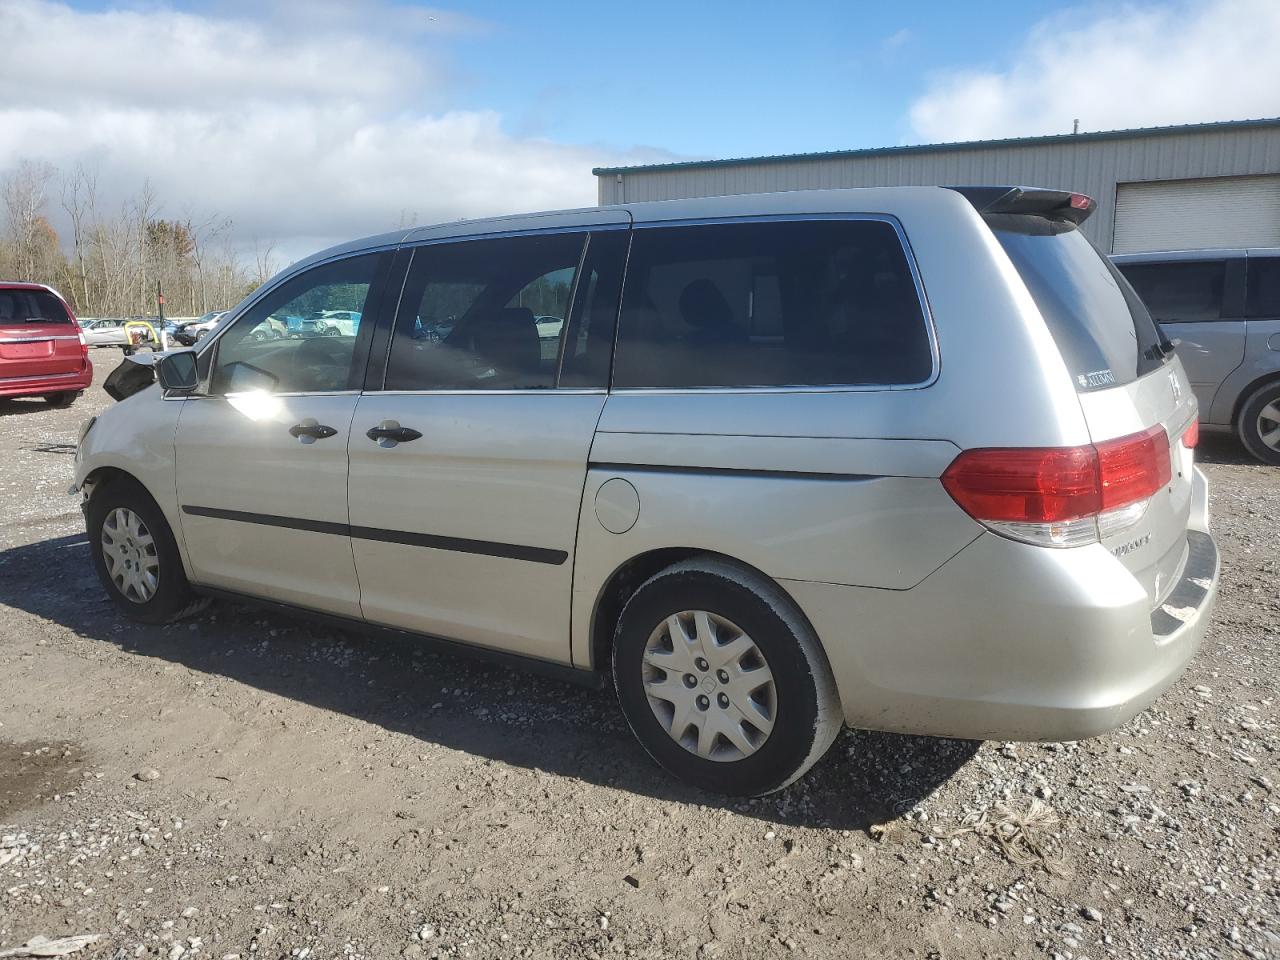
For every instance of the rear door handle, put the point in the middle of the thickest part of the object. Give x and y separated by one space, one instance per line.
309 430
388 433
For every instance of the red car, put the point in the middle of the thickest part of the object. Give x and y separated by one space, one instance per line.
43 352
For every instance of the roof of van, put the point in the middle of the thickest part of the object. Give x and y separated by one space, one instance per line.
847 200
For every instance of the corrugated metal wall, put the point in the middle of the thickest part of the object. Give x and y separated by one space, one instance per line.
1089 166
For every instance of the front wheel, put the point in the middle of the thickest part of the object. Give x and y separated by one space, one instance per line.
722 680
1259 424
62 400
136 556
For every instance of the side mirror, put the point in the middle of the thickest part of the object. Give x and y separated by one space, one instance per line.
177 372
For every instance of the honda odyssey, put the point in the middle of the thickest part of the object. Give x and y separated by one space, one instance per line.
912 459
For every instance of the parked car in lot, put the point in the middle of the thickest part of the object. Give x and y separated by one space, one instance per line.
43 352
192 332
766 486
334 323
1224 308
107 332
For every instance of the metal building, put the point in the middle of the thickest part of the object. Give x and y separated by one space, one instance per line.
1158 188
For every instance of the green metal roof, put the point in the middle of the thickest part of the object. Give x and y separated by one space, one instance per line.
1223 126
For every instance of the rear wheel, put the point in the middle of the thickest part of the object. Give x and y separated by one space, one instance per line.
136 556
65 399
722 681
1259 423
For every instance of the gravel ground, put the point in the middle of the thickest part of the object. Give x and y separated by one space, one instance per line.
247 785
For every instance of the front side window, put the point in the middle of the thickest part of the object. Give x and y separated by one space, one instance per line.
1262 300
485 314
771 303
297 339
1179 291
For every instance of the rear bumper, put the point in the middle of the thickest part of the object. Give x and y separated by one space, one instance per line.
50 383
1008 641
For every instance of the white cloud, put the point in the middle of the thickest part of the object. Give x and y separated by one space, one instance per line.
297 123
1135 66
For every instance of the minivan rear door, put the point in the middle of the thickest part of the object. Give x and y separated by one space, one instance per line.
1198 302
1126 377
38 338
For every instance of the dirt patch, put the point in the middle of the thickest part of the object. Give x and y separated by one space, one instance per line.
35 773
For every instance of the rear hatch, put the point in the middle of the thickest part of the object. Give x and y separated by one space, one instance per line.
1126 375
38 336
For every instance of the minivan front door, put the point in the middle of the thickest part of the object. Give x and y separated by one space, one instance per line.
262 455
467 470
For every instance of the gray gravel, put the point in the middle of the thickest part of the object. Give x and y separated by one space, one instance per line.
247 785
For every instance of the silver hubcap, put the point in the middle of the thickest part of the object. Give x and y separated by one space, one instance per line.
709 686
129 552
1269 424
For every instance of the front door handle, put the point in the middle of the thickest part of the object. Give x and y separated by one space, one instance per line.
309 430
388 433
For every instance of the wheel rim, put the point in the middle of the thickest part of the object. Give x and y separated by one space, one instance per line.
129 551
709 686
1269 425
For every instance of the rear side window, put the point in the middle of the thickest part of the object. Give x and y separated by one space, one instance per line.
485 314
1179 292
1263 297
31 306
1104 333
771 304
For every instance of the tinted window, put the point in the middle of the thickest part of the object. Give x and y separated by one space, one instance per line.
31 306
1179 291
1104 333
1263 298
485 314
285 344
770 304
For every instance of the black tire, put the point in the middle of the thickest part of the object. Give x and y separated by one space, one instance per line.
62 400
1251 425
807 713
173 598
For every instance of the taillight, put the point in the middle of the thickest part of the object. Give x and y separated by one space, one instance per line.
84 343
1191 436
1061 496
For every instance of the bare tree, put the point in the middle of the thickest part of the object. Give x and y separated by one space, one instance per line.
79 190
25 192
115 258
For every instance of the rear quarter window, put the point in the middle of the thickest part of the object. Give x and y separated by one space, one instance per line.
1179 291
31 306
771 304
1262 299
1104 333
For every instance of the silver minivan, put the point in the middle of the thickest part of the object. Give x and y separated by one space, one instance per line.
1223 309
912 459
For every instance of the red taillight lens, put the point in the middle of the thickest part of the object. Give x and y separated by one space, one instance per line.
1191 436
1133 468
1025 484
1059 484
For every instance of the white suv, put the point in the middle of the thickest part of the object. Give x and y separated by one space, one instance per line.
914 459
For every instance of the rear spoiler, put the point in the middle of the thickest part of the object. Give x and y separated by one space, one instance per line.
1031 201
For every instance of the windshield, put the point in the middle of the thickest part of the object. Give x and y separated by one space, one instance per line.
31 306
1104 333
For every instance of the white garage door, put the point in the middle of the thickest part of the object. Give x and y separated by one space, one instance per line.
1189 214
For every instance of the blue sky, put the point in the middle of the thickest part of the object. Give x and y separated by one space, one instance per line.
306 122
727 79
